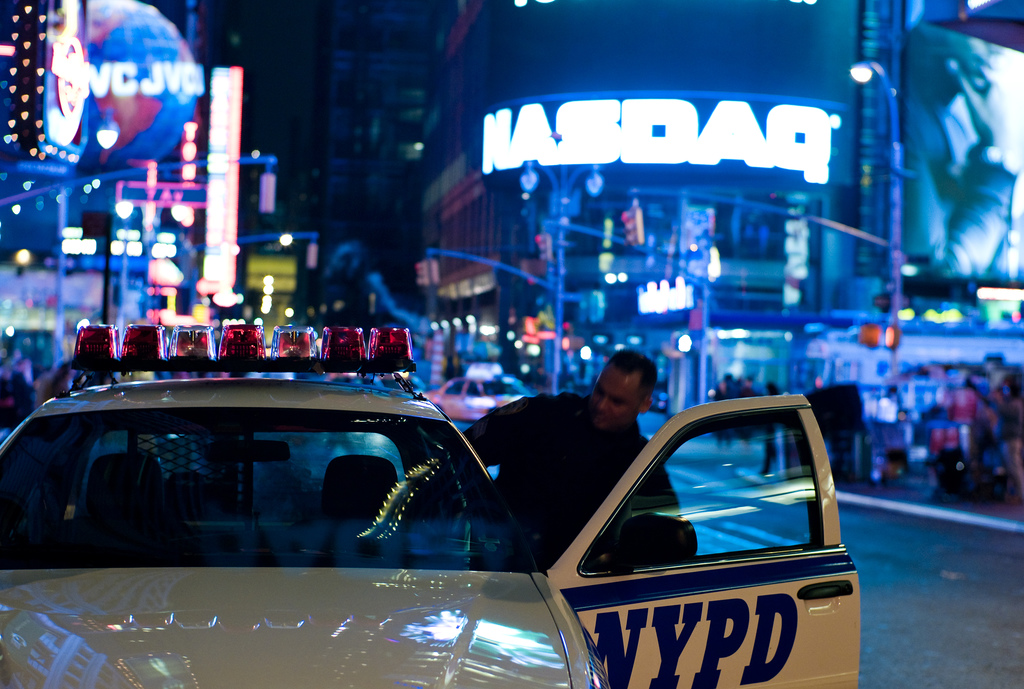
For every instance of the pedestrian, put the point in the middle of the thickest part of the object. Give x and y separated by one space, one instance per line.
559 456
1010 410
7 413
56 381
22 382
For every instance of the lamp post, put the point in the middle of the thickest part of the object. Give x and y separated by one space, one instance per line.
561 187
862 72
124 210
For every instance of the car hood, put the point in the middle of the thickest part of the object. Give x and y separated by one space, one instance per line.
273 628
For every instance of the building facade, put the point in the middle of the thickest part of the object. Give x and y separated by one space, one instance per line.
746 203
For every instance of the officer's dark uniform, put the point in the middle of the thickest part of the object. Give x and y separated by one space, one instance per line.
556 468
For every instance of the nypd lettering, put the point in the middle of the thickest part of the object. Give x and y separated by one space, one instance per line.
661 131
727 623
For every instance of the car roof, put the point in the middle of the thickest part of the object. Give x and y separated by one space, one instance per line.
243 392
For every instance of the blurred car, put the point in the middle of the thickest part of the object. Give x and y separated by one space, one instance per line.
266 532
467 399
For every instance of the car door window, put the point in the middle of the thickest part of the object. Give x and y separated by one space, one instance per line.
727 487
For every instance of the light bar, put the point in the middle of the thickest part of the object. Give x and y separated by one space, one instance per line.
240 341
146 347
144 343
390 350
192 342
293 342
342 350
96 348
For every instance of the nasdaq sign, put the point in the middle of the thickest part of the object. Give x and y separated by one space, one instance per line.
661 131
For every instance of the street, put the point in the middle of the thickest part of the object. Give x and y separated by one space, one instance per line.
941 603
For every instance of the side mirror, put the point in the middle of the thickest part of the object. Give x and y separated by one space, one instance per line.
653 540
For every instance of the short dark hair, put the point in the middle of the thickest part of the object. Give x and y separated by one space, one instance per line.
629 361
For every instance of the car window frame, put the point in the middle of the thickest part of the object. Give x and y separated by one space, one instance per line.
680 424
696 430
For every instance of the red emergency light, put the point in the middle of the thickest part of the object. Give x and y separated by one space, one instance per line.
242 349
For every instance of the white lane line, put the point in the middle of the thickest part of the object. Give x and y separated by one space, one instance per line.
932 512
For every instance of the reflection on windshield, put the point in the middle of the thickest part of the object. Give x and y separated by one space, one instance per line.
250 487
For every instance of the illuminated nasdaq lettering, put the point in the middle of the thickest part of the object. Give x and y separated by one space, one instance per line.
497 139
787 125
532 138
732 133
660 131
590 132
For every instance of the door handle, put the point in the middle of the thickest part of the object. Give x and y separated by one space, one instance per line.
829 589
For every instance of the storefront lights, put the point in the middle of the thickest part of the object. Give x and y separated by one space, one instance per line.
124 209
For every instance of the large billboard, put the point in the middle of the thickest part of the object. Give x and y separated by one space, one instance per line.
691 91
964 148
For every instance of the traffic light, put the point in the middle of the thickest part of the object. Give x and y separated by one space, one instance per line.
892 336
268 192
428 272
870 335
633 219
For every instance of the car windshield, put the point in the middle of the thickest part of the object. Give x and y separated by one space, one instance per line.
250 487
505 386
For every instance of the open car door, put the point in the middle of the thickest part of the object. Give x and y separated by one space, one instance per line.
717 561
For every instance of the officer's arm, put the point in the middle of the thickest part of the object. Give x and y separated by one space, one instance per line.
496 435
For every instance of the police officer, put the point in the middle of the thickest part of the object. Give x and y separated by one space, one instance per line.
560 456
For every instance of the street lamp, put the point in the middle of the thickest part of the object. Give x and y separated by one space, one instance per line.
862 72
108 131
561 187
124 210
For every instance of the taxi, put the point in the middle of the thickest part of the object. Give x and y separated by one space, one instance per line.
267 532
471 397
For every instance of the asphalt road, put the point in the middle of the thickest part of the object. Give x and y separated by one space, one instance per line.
942 604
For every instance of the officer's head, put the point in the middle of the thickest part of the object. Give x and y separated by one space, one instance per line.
622 391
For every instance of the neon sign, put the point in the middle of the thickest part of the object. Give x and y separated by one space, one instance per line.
124 79
661 131
225 139
67 84
664 297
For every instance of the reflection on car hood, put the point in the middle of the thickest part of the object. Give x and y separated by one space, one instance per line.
252 628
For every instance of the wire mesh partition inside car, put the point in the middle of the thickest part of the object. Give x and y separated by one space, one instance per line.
250 487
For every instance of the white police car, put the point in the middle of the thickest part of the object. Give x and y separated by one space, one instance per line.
270 532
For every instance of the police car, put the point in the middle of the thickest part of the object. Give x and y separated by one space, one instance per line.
269 532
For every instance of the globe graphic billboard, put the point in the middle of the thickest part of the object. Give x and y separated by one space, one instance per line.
143 76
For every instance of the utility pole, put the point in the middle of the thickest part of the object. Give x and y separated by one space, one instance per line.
58 318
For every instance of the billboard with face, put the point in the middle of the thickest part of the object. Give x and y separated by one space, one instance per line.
964 148
687 91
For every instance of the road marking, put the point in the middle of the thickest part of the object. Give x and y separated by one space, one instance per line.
930 512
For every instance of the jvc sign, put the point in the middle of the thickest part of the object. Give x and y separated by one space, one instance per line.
661 131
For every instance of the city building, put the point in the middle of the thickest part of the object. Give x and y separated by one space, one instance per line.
704 182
